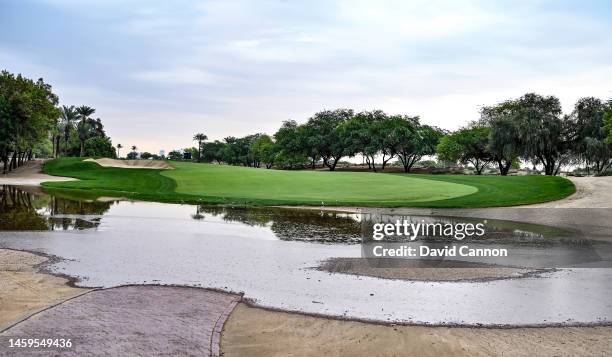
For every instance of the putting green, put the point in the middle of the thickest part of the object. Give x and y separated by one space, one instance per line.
308 187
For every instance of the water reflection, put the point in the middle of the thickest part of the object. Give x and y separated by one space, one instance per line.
30 208
294 225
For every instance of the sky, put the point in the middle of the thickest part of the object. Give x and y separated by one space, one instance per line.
158 72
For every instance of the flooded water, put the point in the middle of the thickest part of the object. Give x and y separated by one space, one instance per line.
271 255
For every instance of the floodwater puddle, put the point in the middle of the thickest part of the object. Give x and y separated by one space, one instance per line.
272 255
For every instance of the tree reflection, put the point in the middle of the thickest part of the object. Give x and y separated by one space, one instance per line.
288 224
30 208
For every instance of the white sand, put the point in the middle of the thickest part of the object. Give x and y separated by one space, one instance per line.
132 164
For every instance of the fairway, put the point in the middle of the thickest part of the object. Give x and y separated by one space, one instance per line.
221 184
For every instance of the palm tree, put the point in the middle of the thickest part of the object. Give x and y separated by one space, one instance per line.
84 130
56 135
134 148
199 137
85 126
68 116
119 146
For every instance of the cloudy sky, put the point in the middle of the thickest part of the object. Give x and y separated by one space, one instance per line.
157 72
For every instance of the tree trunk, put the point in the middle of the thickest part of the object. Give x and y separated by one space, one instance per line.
82 148
333 165
504 168
373 164
66 146
13 163
199 151
4 163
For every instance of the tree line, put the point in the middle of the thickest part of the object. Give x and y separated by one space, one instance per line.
530 129
326 138
533 129
33 124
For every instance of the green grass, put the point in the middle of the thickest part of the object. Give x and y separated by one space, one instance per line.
205 183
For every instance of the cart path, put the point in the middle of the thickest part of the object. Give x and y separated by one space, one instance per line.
142 320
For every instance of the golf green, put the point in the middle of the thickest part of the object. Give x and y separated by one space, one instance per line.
221 184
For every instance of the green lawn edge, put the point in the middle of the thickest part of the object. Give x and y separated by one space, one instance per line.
151 185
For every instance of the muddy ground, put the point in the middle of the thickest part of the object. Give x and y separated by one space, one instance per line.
419 270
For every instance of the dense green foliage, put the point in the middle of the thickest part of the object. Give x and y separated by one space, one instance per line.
327 137
31 123
27 113
467 145
533 128
205 183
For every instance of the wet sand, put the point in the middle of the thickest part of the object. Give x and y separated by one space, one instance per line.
419 270
30 174
257 332
24 290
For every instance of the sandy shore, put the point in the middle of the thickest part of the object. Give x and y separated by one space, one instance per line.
24 290
30 174
257 332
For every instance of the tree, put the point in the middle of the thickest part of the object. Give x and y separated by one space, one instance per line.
27 113
360 136
146 155
86 126
119 147
68 116
199 138
213 151
589 144
56 135
99 147
132 155
84 131
504 140
263 150
608 122
293 142
542 132
412 141
467 145
326 138
175 155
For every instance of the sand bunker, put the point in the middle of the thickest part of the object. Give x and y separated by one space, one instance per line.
258 332
24 290
132 164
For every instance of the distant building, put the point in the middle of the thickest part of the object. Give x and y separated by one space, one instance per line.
186 156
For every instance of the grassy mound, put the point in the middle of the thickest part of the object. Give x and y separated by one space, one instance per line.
205 183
